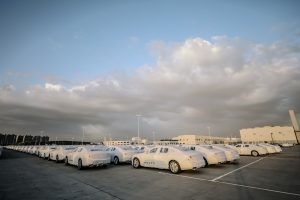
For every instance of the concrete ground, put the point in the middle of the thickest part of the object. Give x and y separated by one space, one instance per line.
23 176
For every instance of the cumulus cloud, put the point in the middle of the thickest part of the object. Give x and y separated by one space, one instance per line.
225 83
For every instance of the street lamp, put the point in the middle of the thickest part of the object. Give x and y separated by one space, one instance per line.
41 137
153 135
209 134
138 119
82 135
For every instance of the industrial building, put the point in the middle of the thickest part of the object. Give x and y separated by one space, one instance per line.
270 134
202 139
273 134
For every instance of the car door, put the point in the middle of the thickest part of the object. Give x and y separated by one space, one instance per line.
239 148
76 155
149 158
161 158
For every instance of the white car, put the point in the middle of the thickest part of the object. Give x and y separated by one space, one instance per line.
277 147
174 158
1 149
36 150
60 153
44 152
87 156
287 145
231 154
211 155
270 149
250 149
121 153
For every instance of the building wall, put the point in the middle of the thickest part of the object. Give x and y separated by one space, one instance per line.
203 139
116 142
271 134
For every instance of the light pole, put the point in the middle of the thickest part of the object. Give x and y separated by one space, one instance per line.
138 119
41 137
153 132
209 134
82 135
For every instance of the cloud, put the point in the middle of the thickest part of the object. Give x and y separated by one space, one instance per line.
225 83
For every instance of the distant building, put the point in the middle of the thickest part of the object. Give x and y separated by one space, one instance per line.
117 142
203 139
270 134
166 142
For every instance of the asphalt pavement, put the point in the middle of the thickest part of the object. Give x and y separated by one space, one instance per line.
277 176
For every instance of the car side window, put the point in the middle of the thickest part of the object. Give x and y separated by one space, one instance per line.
246 145
238 145
153 150
164 150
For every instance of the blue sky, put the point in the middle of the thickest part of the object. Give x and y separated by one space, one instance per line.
68 64
80 40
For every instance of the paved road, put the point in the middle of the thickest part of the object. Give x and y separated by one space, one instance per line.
23 176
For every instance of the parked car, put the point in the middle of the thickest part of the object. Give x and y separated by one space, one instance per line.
174 158
270 148
211 155
287 145
250 149
121 153
232 155
44 152
277 147
60 153
1 149
88 156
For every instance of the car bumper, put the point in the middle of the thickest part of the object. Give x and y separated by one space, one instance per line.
98 162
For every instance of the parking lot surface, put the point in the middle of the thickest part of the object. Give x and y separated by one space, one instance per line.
276 176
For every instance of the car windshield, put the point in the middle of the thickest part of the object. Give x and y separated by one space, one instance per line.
208 147
181 148
127 148
70 148
96 149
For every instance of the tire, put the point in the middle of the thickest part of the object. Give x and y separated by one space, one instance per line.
174 167
254 153
56 159
66 161
136 163
116 160
206 163
79 164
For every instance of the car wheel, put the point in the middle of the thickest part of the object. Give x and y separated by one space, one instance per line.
56 159
79 166
174 167
66 161
136 163
254 153
206 163
116 160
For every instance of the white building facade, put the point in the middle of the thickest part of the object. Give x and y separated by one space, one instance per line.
203 139
270 134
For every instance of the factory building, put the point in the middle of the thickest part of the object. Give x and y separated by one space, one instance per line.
273 134
270 134
203 139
